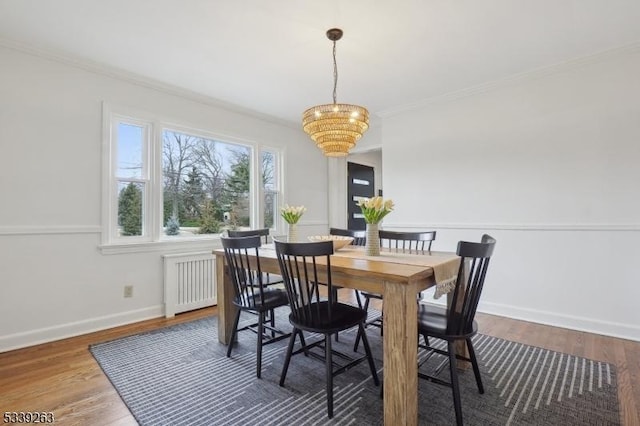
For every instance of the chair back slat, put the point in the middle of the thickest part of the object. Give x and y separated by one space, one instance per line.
241 254
475 259
359 237
407 241
301 265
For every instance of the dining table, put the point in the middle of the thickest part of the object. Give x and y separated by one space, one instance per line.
399 277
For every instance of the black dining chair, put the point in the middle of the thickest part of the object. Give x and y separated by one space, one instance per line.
263 233
250 295
418 242
302 265
457 322
407 242
359 239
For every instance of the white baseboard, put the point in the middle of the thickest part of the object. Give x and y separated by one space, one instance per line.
49 334
607 328
623 331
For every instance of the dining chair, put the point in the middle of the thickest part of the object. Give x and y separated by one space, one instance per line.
267 278
418 242
359 239
302 265
457 323
250 295
407 242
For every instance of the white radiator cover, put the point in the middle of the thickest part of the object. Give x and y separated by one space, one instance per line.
189 282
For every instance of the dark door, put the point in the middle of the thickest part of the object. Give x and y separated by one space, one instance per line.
359 184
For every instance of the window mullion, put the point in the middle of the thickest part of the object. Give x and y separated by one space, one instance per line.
256 188
113 182
155 178
147 208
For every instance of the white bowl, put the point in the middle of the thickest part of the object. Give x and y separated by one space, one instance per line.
339 241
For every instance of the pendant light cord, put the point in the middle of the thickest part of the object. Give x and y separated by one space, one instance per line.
335 73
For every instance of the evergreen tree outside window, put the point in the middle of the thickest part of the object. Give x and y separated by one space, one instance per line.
269 188
130 209
238 183
194 195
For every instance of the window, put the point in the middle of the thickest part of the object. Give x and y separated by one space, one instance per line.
131 179
205 184
168 183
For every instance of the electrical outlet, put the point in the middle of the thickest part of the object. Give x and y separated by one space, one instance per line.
128 291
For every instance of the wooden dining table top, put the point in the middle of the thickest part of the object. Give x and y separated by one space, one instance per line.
390 265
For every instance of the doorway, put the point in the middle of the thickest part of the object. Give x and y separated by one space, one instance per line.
360 183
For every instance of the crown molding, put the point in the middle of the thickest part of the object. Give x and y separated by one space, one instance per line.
49 230
607 227
579 62
139 80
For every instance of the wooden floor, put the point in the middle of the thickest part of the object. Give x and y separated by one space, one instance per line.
62 377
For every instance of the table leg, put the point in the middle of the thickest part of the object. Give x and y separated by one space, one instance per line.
400 354
461 345
226 309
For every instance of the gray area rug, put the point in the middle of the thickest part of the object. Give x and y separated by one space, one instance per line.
180 376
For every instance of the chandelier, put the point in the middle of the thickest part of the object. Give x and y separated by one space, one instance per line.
335 128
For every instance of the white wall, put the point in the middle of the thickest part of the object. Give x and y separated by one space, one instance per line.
54 280
546 163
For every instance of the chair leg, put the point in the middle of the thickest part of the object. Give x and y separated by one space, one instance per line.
335 300
285 367
329 368
273 323
426 339
358 300
303 343
474 363
234 332
367 350
261 320
366 307
455 387
358 337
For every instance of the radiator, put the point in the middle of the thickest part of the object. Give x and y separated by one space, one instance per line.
189 282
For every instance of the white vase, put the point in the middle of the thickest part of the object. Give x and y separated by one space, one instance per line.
292 233
372 245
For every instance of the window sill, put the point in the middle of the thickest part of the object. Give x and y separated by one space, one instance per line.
165 246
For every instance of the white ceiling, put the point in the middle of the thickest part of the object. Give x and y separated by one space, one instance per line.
272 56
